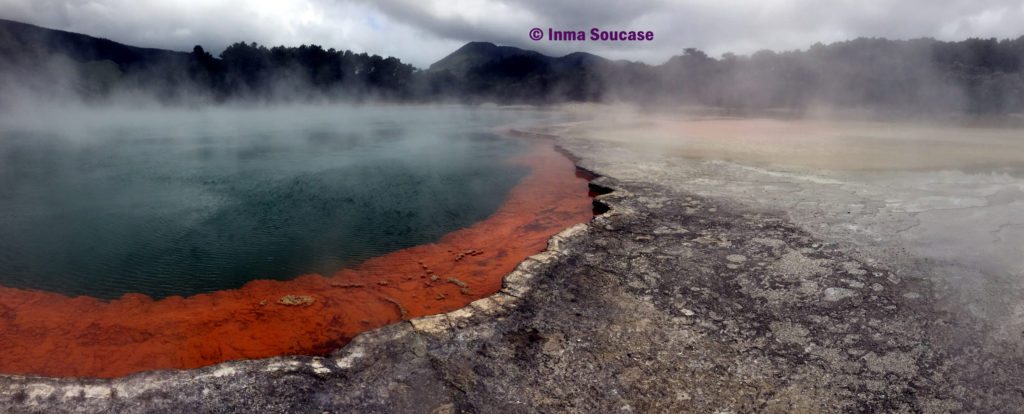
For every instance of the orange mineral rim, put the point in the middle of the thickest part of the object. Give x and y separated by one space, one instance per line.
49 334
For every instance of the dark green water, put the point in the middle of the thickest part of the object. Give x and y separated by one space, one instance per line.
103 203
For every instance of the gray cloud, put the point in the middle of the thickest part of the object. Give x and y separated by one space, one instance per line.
422 31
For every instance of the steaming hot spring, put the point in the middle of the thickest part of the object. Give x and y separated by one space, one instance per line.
176 239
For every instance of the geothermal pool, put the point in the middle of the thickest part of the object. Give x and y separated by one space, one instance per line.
140 240
203 202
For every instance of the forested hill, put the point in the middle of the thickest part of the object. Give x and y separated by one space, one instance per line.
922 75
25 43
39 60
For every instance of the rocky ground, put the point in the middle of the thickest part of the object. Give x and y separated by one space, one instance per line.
666 302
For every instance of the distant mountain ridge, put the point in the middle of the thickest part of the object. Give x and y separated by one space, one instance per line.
476 54
483 69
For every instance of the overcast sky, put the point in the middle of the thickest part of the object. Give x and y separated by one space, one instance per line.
423 31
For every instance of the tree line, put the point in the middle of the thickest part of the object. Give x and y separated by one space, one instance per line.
921 75
249 70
